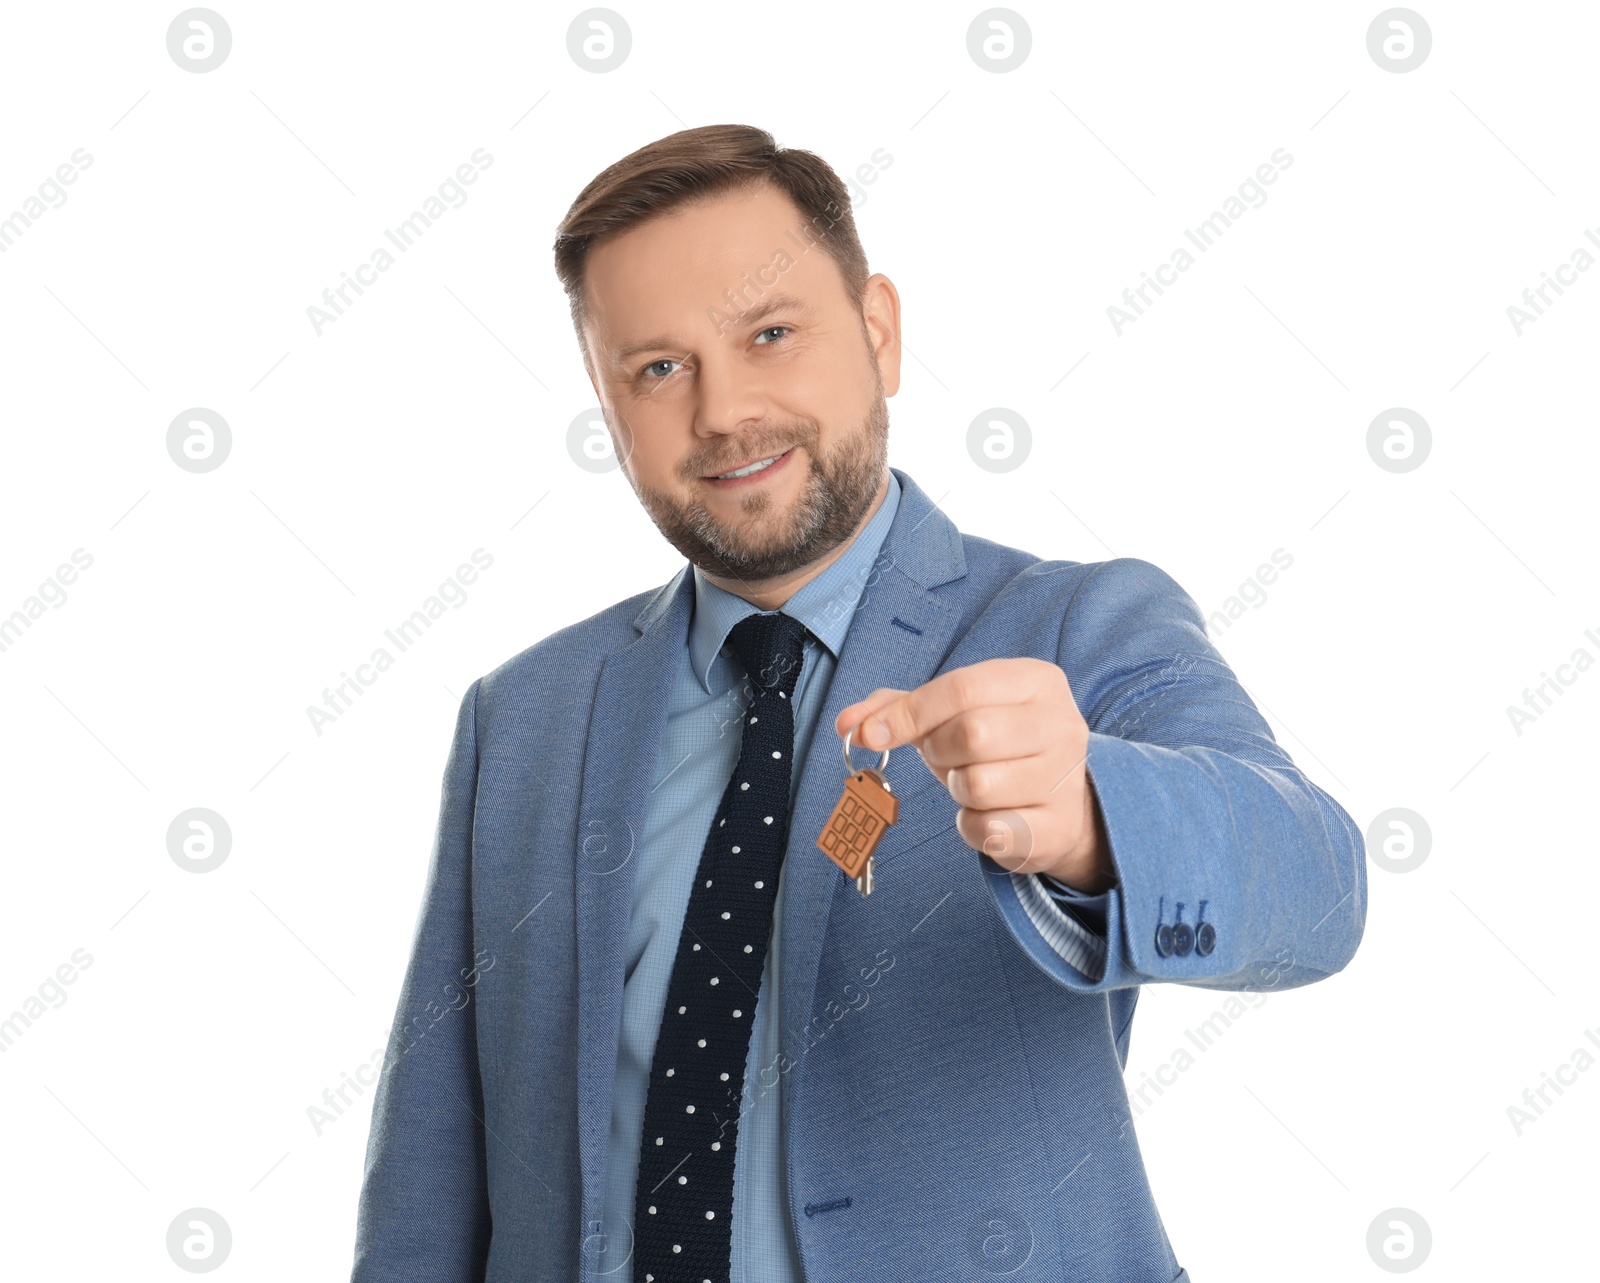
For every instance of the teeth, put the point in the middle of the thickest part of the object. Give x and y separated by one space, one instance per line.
745 472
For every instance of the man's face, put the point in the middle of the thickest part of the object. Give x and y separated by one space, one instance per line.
716 340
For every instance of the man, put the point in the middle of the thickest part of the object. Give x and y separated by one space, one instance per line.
649 1029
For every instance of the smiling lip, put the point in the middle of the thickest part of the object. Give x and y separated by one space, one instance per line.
778 461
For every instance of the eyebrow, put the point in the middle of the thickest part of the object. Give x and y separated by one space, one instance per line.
779 302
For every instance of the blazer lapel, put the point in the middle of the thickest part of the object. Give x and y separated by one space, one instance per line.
625 727
898 634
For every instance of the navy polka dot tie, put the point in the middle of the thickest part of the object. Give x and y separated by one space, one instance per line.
683 1201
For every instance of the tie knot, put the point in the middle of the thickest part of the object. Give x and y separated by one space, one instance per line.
770 647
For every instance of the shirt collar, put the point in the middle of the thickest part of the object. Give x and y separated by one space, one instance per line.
825 605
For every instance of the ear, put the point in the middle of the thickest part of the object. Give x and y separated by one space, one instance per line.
880 312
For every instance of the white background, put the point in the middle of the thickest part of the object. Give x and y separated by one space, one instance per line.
431 419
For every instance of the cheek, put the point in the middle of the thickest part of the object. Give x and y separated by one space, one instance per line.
835 398
647 446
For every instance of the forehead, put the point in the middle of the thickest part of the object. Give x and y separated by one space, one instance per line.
667 276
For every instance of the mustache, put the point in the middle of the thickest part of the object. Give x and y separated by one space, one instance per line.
748 453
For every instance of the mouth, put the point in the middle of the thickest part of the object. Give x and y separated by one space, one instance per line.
750 472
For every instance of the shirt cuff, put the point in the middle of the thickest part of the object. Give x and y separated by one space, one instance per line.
1080 944
1087 909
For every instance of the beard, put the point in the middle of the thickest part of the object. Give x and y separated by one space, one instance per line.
770 542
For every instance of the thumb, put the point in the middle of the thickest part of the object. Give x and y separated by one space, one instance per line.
854 717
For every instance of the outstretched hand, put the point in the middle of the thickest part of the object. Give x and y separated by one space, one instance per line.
1007 741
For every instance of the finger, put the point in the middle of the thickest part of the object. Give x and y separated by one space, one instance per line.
994 733
851 716
1012 838
917 712
988 786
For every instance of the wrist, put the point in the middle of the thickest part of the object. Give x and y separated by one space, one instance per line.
1089 871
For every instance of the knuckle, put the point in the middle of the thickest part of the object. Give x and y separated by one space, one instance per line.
963 685
971 737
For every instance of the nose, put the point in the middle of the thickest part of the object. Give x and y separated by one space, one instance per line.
732 398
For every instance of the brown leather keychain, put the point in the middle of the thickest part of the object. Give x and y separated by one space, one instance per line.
862 815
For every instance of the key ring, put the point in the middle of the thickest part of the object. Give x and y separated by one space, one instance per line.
849 766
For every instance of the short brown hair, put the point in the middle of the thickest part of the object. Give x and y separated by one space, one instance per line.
695 164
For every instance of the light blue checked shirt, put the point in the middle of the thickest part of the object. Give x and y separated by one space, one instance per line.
692 769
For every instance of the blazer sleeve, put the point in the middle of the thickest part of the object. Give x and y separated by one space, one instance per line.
424 1205
1208 817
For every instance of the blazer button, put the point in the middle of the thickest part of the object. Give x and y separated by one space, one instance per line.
1205 939
1164 939
1182 939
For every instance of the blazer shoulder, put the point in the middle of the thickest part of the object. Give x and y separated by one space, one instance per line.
1098 619
1135 591
571 656
1058 583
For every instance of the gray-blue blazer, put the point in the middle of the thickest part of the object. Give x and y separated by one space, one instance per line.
955 1106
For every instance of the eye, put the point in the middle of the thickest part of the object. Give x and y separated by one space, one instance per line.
769 330
647 371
